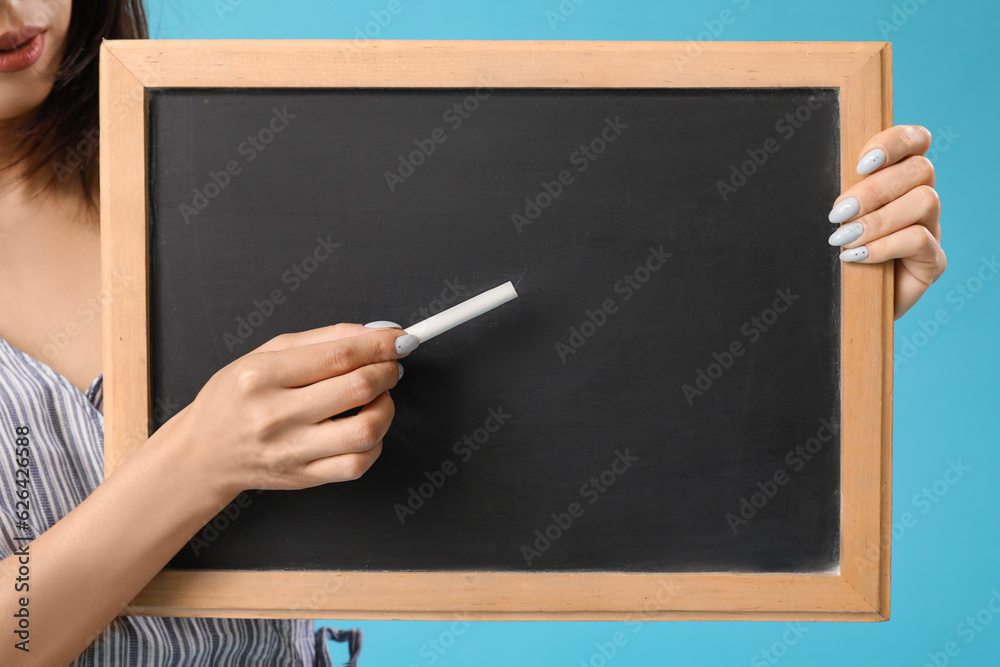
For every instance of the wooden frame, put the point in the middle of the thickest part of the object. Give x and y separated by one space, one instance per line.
861 72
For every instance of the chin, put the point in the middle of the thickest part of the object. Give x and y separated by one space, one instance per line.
17 101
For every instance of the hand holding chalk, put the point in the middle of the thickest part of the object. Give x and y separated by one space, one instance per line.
463 312
421 332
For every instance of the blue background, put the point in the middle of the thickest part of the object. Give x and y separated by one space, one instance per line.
947 563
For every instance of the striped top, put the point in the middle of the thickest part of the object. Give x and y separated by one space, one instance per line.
66 463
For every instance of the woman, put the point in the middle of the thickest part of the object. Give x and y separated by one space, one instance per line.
260 422
98 544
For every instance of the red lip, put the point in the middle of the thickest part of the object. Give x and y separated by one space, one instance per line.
27 44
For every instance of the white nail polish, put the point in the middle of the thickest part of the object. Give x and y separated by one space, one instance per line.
871 161
844 211
847 234
854 254
382 324
406 344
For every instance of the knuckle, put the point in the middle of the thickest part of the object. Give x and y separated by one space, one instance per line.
355 466
366 432
930 200
282 341
926 238
912 240
874 222
921 169
343 328
385 345
942 262
363 386
338 358
916 135
249 376
886 190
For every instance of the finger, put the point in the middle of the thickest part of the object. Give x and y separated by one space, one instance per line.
912 279
920 206
883 187
326 398
346 435
914 246
301 366
892 146
312 336
342 468
919 262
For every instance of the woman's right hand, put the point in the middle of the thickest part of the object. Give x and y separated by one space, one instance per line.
263 421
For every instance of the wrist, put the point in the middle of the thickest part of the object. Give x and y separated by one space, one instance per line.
187 459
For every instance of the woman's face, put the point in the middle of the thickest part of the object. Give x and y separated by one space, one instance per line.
32 38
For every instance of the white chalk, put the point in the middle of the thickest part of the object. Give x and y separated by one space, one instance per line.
463 312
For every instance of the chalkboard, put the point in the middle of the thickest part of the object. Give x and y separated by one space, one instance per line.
686 413
634 267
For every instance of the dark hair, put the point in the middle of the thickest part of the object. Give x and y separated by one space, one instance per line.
59 140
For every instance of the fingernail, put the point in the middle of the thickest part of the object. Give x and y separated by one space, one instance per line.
844 211
400 367
847 233
854 254
382 324
406 344
872 161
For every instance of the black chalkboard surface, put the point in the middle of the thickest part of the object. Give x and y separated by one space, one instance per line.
663 396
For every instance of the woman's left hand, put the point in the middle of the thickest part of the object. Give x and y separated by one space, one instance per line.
894 213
